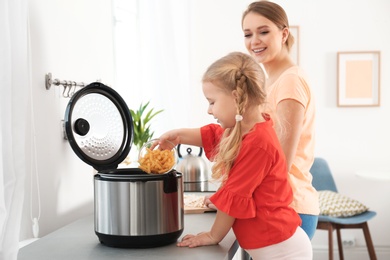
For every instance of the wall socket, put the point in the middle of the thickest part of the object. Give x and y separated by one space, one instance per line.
348 242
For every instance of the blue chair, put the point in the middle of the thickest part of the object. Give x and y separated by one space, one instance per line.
323 180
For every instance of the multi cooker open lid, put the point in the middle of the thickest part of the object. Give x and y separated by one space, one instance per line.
99 126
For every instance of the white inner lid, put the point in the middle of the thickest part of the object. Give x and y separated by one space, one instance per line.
106 133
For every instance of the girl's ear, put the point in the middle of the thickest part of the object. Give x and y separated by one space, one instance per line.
235 94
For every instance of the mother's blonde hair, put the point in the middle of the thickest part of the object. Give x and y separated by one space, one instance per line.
241 73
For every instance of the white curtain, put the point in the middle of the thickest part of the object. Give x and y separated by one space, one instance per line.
14 118
152 45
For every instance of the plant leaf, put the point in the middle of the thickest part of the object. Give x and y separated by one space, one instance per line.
141 126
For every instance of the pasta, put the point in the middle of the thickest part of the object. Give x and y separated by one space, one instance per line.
157 161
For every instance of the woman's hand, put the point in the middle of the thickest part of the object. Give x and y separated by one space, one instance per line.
207 202
202 239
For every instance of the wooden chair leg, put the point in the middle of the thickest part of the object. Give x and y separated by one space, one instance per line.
370 246
330 241
340 243
330 227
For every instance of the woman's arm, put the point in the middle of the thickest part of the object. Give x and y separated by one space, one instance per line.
222 224
290 114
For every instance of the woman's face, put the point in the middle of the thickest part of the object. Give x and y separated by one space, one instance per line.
263 39
222 104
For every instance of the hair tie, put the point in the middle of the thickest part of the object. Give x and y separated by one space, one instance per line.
239 118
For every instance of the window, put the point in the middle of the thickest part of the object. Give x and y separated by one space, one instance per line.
151 39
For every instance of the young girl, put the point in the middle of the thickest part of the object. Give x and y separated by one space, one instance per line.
267 38
255 194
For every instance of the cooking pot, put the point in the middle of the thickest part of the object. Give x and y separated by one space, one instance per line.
132 208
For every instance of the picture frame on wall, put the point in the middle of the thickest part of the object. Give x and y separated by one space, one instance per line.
294 51
358 75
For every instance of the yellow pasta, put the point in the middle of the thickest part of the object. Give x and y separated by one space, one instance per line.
157 161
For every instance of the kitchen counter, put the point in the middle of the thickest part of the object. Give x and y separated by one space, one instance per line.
78 241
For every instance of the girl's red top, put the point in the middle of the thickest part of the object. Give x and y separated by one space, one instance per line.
257 192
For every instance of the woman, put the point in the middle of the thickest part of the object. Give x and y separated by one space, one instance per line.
255 193
268 40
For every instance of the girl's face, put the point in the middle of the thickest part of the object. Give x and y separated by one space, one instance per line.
263 39
222 104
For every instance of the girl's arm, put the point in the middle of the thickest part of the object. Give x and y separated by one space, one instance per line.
189 136
222 224
290 114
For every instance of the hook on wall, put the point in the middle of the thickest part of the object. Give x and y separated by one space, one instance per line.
67 84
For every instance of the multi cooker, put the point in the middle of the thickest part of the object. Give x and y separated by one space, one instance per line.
132 208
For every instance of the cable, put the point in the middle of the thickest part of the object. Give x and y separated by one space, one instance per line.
34 162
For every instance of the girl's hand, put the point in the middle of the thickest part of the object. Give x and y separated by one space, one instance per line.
202 239
167 140
208 203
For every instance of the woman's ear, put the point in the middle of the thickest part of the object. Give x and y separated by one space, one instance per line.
285 34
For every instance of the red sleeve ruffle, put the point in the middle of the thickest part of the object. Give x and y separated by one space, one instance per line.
233 204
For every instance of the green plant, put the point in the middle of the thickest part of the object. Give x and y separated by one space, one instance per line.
141 121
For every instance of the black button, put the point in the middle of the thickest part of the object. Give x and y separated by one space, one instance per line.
81 126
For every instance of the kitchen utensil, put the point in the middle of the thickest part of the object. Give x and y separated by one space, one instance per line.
132 208
193 167
193 204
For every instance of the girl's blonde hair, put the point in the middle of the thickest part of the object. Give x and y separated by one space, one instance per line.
240 72
273 12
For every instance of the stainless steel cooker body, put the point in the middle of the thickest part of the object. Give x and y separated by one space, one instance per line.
138 210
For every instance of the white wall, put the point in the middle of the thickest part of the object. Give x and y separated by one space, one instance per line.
73 40
79 48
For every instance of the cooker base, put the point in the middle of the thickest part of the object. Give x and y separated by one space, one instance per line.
139 241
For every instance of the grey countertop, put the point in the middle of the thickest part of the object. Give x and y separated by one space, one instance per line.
78 241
